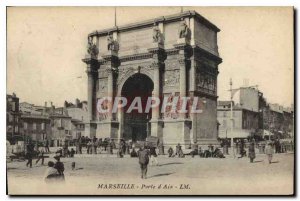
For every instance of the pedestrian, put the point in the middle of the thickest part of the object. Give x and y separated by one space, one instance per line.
47 146
72 152
60 167
178 147
51 173
171 152
123 147
269 152
133 153
95 145
252 152
143 155
153 156
194 152
127 147
119 153
40 156
29 154
89 147
242 149
180 153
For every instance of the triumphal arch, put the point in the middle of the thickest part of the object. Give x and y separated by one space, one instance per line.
167 57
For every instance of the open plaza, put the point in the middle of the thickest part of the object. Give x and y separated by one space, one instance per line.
107 174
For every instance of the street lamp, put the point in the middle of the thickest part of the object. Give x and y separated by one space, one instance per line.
232 92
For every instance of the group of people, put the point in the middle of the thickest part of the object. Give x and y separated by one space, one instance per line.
55 171
92 144
210 152
251 153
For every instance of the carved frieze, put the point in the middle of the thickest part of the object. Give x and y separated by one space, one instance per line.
171 78
102 85
206 79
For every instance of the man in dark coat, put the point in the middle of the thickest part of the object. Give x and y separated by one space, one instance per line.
47 146
40 156
251 152
143 155
60 167
29 154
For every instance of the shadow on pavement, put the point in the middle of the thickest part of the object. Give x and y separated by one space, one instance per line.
159 175
275 162
257 161
174 163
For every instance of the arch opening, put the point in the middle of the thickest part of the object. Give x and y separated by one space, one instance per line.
136 89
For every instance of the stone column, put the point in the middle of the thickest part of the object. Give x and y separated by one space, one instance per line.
92 67
90 92
182 81
158 64
110 84
156 90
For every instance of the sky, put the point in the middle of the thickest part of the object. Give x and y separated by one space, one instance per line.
45 46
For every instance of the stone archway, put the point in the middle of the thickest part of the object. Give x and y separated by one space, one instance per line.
135 124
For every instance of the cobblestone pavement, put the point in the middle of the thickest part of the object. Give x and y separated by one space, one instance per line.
94 173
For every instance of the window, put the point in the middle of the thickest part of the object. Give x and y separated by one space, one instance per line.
13 106
34 126
16 129
25 125
10 118
43 126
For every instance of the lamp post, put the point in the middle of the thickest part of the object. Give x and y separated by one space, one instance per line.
232 92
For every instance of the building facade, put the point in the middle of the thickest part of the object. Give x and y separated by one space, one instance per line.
245 122
36 127
171 56
12 119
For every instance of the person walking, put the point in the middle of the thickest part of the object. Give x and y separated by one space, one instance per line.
40 156
269 152
29 154
143 155
47 150
252 152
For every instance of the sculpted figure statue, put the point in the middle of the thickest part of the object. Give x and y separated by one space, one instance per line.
184 31
111 43
157 36
92 48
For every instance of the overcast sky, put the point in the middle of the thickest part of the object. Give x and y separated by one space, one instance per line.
45 47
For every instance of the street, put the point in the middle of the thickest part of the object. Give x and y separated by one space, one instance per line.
100 174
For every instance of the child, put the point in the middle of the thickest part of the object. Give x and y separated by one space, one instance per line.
269 152
51 173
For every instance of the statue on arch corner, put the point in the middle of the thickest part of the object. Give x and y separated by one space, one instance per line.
157 36
92 49
184 32
112 44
